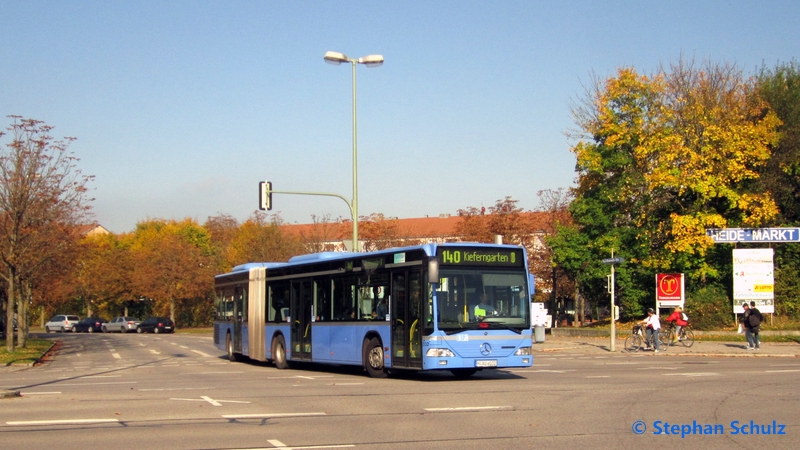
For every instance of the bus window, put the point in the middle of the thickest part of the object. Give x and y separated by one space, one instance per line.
344 298
278 302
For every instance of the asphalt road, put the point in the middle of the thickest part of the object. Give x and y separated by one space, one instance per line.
178 391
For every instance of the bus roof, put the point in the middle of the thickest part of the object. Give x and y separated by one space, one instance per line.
430 249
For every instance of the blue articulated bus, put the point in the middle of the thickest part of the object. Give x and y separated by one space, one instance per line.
461 307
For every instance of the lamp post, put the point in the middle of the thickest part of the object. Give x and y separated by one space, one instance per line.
337 58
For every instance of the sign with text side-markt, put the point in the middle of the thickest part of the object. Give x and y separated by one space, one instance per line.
733 235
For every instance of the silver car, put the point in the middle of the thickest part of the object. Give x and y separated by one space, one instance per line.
122 324
61 323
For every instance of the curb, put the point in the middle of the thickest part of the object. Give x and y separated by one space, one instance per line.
32 363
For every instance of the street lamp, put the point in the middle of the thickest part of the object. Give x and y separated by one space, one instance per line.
337 58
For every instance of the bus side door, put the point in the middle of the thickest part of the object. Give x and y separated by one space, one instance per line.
406 327
302 298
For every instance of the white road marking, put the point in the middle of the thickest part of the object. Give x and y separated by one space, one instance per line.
294 377
155 352
468 408
782 371
95 384
272 415
178 389
201 353
656 368
116 355
206 373
204 398
695 374
280 445
62 422
39 393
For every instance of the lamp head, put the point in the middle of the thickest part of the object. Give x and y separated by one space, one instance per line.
371 60
335 58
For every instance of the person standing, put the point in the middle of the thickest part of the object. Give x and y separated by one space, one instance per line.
754 319
652 328
746 324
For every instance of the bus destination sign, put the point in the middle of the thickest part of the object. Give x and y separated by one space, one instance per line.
476 256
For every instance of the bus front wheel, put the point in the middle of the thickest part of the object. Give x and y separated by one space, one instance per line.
279 353
373 359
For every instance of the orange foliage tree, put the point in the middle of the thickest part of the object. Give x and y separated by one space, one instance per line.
174 266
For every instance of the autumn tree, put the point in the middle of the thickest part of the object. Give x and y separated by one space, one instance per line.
262 239
661 159
379 232
42 201
222 229
104 273
323 230
173 264
504 219
553 213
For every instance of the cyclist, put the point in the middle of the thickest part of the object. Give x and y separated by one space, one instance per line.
652 327
677 318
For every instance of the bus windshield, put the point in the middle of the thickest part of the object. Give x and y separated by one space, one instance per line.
476 298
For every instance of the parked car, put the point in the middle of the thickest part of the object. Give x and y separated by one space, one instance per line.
122 324
90 325
156 325
62 323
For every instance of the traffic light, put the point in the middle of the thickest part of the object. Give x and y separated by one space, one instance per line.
265 195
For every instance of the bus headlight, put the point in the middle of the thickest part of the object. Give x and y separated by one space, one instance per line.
523 351
439 353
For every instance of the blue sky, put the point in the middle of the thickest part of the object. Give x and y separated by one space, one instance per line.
182 108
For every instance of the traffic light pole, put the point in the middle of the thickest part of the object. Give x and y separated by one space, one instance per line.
266 203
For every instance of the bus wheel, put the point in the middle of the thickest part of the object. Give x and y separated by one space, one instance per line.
279 353
373 359
232 356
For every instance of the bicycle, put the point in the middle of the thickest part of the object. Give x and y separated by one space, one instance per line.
636 341
686 336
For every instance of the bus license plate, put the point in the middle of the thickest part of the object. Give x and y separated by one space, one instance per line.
486 363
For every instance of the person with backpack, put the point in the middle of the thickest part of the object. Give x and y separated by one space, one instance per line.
753 319
680 319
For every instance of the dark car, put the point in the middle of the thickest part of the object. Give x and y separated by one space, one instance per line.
3 327
156 325
90 325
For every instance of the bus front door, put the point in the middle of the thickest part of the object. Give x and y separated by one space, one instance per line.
302 298
406 326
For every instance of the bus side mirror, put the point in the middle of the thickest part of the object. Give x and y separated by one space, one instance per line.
433 271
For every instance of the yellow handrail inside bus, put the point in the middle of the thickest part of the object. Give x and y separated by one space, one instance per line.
411 339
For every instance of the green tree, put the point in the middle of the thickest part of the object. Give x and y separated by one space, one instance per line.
780 87
662 158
